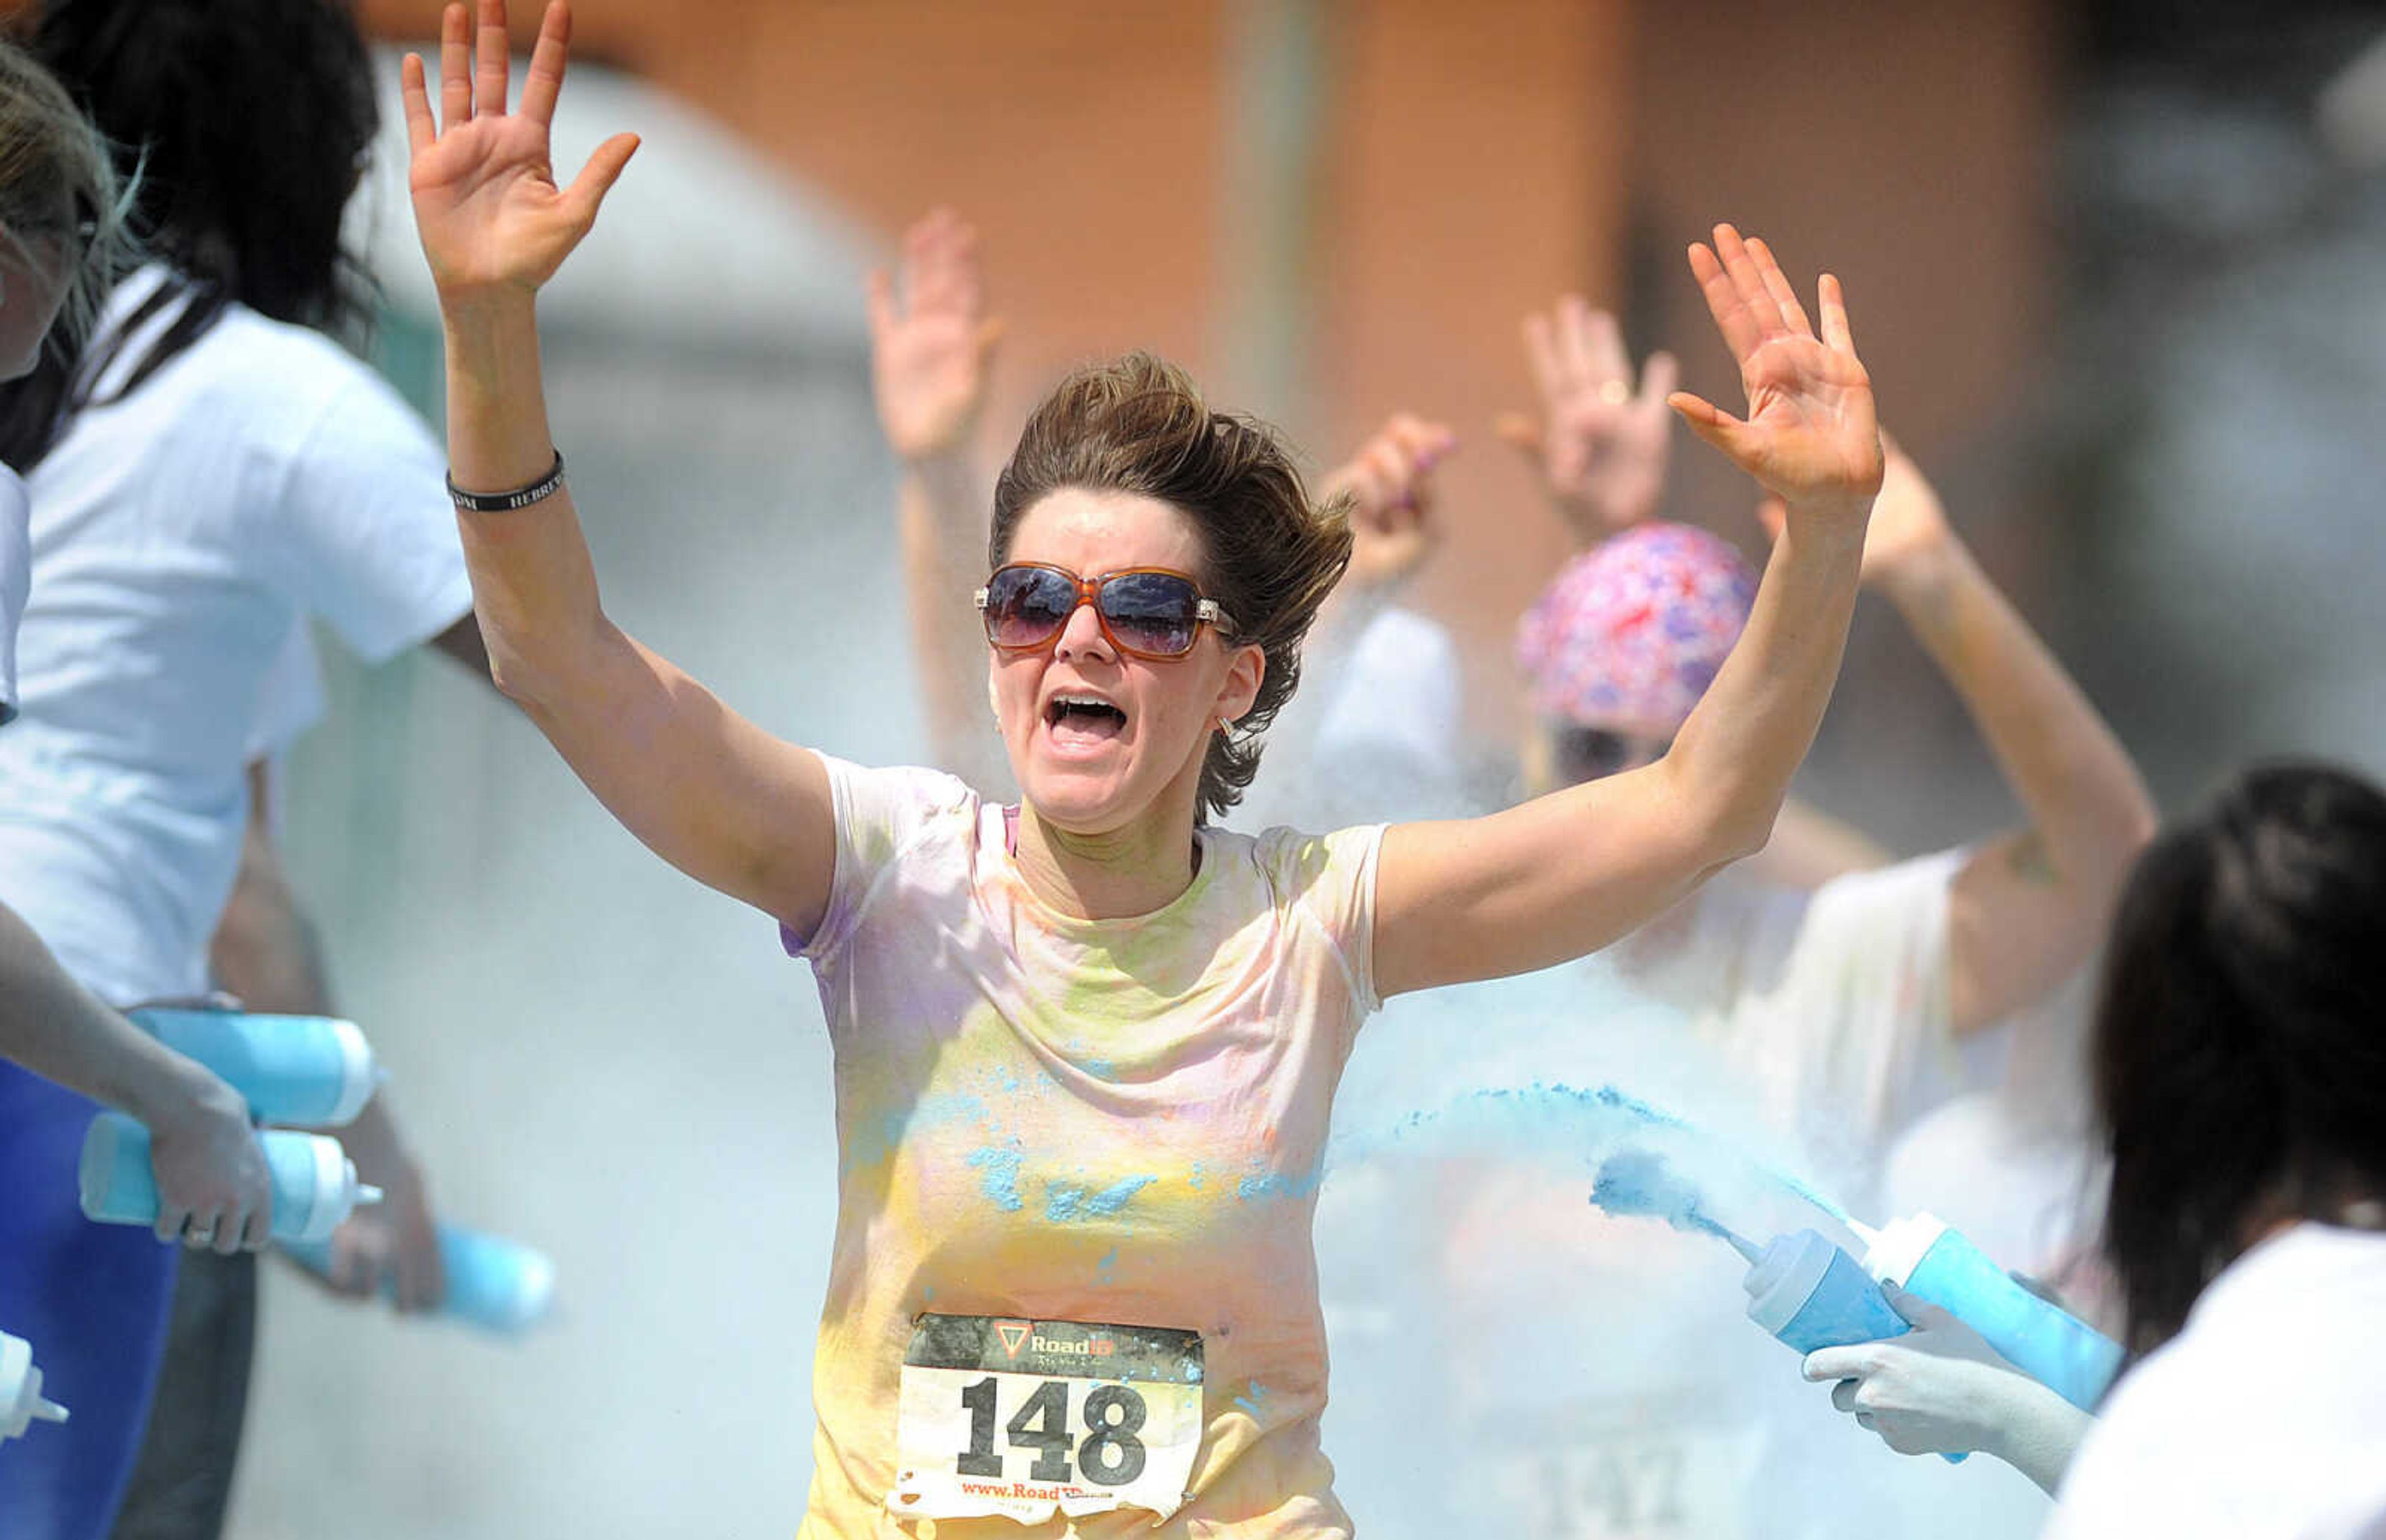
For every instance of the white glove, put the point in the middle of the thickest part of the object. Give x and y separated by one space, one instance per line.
1939 1389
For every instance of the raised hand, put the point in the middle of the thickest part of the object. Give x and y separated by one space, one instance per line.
1810 436
485 200
1599 445
1389 482
930 340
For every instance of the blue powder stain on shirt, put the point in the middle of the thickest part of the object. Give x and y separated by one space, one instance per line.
1000 1183
1193 1177
888 1132
1252 1402
1276 1183
1102 1068
1065 1202
1105 1270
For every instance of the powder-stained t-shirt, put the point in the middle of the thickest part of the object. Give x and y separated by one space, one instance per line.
1117 1122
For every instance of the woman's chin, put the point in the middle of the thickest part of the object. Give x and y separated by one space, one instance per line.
1079 798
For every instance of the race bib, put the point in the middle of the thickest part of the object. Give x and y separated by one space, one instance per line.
1019 1418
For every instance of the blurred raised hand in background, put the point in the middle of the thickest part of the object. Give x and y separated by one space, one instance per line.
1394 513
1600 445
932 351
932 342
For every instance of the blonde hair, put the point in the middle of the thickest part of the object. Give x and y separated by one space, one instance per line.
57 180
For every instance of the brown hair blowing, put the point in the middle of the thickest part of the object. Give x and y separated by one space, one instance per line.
1138 425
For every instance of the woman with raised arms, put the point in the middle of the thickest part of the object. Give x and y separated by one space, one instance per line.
1086 1047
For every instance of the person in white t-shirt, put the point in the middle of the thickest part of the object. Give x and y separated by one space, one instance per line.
2240 1077
60 231
1842 999
208 474
60 236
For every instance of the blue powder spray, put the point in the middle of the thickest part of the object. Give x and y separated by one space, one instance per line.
1609 1131
1638 1182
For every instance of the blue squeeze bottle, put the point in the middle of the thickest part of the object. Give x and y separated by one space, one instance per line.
315 1185
1811 1293
1926 1259
496 1284
310 1072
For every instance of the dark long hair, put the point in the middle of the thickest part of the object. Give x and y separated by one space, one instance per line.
1137 423
2239 1041
246 122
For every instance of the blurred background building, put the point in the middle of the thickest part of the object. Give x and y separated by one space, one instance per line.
2114 265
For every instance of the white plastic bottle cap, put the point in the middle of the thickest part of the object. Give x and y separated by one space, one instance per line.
336 1191
1786 1277
359 1077
1898 1247
21 1390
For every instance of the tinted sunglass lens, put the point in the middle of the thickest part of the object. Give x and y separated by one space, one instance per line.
1025 606
1152 612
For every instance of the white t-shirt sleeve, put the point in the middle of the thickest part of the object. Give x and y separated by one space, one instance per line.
1331 879
881 816
15 581
368 535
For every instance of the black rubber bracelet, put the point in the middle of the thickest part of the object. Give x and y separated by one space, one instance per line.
507 502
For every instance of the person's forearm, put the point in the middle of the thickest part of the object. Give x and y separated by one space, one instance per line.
1735 755
2082 793
2038 1432
60 1031
941 516
534 585
264 951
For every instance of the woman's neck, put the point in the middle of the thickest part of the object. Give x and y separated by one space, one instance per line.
1114 875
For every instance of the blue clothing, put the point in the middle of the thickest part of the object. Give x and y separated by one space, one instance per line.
98 1342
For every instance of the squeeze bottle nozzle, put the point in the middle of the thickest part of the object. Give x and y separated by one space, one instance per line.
22 1401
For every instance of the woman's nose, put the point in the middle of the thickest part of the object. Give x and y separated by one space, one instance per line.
1082 635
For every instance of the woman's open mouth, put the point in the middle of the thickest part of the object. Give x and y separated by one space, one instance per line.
1076 719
